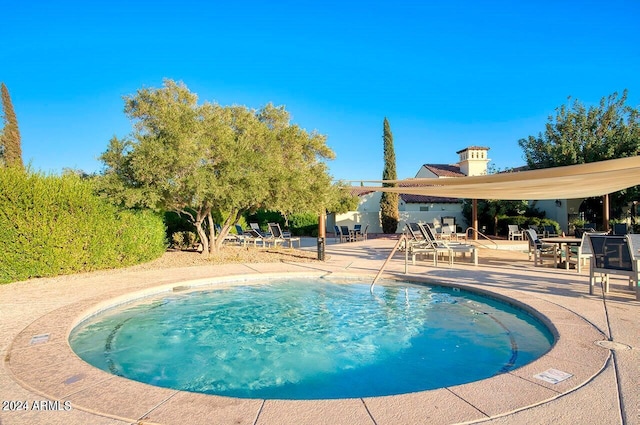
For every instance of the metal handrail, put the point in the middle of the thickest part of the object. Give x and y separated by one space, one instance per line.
403 238
481 234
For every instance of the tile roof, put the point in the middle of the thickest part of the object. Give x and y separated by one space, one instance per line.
422 199
359 191
475 148
445 170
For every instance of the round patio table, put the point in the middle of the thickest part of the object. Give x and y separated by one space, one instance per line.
568 242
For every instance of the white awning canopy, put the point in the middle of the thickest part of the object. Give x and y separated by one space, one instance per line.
569 182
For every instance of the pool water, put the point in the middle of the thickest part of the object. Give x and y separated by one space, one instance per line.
311 339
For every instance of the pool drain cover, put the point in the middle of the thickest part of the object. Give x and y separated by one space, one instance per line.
611 345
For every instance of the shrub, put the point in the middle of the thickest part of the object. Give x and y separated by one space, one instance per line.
304 224
263 217
183 240
52 225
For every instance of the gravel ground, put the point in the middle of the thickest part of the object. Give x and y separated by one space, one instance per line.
228 254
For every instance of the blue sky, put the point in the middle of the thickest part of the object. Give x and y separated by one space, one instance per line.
447 74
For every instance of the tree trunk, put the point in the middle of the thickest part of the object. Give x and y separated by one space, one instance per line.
201 215
231 220
213 241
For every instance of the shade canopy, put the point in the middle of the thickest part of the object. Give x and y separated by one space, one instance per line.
568 182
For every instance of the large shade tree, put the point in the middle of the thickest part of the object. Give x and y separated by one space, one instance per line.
197 159
579 134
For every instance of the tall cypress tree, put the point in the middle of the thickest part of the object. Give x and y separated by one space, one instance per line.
389 202
10 136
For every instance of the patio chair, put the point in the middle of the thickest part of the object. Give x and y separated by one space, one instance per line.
540 250
514 232
579 255
339 236
620 229
361 234
280 237
447 232
550 231
614 254
346 233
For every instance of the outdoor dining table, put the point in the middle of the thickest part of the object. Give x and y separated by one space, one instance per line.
568 242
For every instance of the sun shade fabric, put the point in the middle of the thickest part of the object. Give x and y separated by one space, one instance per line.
569 182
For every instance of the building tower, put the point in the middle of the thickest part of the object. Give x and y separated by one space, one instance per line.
474 160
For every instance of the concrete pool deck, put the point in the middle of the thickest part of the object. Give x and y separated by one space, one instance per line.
604 387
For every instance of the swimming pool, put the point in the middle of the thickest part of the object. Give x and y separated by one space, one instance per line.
311 339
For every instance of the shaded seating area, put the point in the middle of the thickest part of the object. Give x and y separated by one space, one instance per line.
614 255
540 250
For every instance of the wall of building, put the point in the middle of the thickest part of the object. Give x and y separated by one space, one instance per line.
372 218
424 173
557 211
368 213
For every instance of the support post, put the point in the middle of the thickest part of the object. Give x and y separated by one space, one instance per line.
605 212
321 236
474 218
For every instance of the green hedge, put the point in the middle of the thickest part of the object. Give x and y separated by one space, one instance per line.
304 224
52 225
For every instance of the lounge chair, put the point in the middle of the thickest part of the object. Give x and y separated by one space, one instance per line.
417 244
278 236
514 232
248 236
256 228
413 234
614 254
540 249
452 247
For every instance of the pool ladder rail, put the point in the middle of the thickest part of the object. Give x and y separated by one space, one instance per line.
403 238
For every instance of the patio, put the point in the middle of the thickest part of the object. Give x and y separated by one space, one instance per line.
603 387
